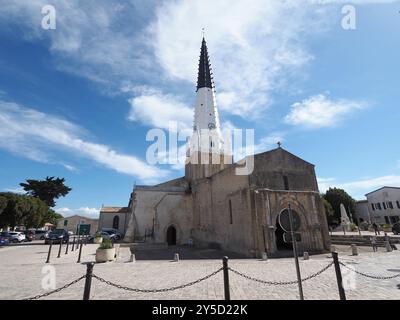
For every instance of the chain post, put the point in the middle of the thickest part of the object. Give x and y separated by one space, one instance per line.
73 243
226 278
80 252
66 249
339 279
49 253
59 249
88 280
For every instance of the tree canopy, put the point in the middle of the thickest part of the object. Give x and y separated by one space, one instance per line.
46 190
336 196
24 210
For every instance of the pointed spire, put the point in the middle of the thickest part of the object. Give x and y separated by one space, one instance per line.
204 76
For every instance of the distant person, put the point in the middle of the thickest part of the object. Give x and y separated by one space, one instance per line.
376 229
374 244
190 242
387 238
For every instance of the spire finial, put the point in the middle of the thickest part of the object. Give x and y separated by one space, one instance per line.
279 144
203 32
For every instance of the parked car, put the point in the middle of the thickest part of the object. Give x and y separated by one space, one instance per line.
111 231
396 228
4 239
56 236
105 236
13 236
40 234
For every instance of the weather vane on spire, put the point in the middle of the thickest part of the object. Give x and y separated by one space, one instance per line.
203 31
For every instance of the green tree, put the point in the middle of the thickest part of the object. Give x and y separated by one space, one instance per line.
21 210
335 197
52 217
330 213
46 190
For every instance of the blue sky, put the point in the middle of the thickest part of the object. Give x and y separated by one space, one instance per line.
78 101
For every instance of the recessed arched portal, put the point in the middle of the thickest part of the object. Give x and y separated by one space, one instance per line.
171 236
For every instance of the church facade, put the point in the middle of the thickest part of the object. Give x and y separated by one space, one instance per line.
213 206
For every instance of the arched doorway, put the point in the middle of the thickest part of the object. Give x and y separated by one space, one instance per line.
116 223
171 236
280 244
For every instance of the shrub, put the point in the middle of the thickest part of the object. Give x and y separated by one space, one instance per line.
98 234
365 226
106 244
353 227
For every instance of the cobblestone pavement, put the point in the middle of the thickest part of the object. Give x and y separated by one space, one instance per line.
21 276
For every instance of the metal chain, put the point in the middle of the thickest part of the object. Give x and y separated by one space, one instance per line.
156 290
56 290
281 283
368 275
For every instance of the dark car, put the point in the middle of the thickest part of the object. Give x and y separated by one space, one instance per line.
396 228
56 236
4 239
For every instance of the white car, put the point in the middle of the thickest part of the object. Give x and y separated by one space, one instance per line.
17 236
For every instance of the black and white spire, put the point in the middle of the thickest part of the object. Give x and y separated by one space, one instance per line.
204 79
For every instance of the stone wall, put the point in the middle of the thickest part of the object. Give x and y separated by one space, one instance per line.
212 214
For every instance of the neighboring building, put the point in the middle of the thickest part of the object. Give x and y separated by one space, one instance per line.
362 212
76 223
214 206
114 217
384 205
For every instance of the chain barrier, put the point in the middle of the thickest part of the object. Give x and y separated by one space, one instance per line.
281 283
157 290
369 275
56 290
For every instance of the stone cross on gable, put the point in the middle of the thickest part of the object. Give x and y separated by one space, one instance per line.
279 144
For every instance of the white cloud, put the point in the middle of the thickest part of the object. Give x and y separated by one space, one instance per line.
155 109
253 46
15 190
83 211
69 167
319 111
34 134
360 187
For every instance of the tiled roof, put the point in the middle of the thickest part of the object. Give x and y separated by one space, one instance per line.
114 209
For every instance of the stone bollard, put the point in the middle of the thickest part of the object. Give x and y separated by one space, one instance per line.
133 258
116 246
388 247
354 251
264 256
306 256
333 248
176 257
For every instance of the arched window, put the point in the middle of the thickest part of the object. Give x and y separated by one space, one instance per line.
116 222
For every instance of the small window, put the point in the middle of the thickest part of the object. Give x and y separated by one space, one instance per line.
65 222
378 205
230 212
373 207
384 205
398 204
390 204
286 182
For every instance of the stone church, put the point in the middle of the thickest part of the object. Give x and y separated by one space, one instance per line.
213 206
